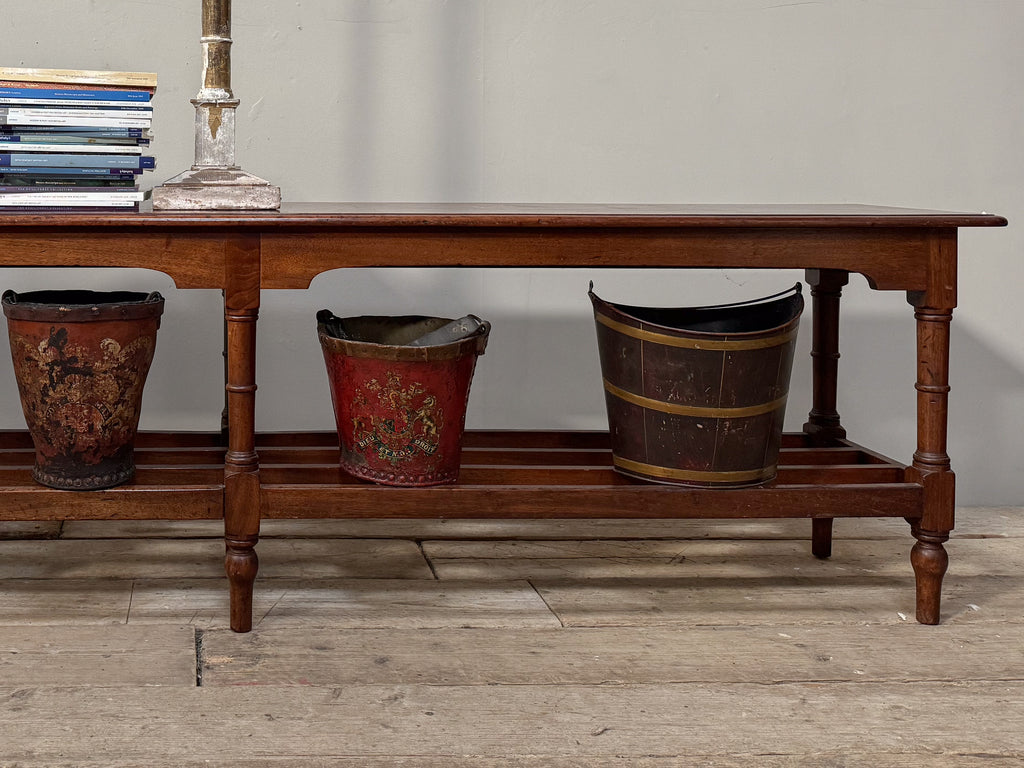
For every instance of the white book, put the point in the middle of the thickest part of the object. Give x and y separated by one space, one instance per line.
81 122
71 198
62 112
14 147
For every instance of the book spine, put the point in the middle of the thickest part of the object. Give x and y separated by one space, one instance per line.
8 130
69 103
70 140
81 182
130 111
31 146
78 122
62 188
77 161
65 171
86 76
106 88
69 208
78 197
72 94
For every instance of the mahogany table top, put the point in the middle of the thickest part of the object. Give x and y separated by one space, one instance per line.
525 215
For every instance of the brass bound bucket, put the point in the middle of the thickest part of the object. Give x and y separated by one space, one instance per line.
697 395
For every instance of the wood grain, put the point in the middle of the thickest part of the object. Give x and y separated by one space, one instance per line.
374 603
816 759
860 598
199 558
570 721
615 656
667 558
98 657
972 522
64 602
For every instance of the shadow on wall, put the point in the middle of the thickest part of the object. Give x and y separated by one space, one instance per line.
878 402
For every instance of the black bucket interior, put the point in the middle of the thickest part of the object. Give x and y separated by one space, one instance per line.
79 298
742 317
370 329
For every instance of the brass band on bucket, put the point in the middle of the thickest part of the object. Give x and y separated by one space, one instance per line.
694 475
690 343
678 409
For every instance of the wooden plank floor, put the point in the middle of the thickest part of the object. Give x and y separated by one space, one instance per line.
510 644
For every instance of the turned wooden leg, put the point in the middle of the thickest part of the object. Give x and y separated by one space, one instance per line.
931 466
929 559
823 425
241 464
821 537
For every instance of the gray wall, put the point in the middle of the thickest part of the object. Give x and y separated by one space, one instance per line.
895 102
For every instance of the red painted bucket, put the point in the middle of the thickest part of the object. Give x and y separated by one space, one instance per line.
81 360
399 396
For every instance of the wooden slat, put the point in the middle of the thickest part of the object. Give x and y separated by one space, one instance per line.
972 523
30 529
179 475
204 558
199 457
620 656
708 558
810 759
131 501
512 474
101 657
19 439
404 604
493 445
77 602
850 597
629 501
683 720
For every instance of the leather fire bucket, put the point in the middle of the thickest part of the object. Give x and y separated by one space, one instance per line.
81 360
696 395
400 386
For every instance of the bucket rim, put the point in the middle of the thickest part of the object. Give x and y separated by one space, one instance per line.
628 312
77 305
474 344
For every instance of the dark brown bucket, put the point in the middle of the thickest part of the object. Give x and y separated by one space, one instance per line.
400 386
697 395
81 360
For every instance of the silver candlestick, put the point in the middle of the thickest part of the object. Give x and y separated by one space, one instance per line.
214 182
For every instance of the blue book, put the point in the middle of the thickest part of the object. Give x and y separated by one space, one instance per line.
71 140
9 92
39 171
32 159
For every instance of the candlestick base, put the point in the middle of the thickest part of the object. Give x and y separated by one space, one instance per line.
213 189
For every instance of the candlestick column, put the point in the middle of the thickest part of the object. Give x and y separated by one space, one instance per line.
214 181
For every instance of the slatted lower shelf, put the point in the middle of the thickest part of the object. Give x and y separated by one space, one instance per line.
179 476
505 474
523 474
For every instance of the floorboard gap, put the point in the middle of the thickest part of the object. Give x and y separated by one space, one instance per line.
427 560
200 656
546 604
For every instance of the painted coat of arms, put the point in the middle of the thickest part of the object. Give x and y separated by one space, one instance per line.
396 422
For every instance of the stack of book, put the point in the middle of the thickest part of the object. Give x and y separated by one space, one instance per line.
74 140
